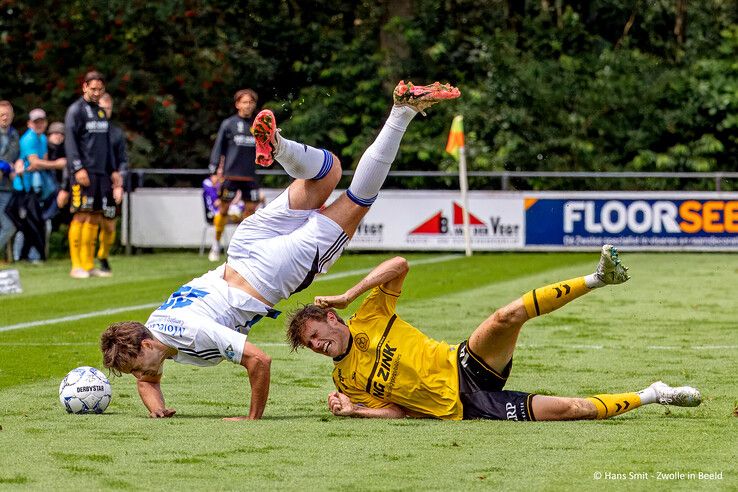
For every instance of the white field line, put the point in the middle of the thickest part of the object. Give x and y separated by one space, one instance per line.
76 317
106 312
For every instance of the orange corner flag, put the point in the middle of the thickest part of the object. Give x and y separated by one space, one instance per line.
456 136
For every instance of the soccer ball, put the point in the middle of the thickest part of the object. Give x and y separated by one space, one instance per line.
85 390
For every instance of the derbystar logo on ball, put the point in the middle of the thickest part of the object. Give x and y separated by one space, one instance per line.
85 390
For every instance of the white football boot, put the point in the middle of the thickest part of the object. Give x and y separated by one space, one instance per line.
610 270
682 396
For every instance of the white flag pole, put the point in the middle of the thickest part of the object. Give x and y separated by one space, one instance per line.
464 186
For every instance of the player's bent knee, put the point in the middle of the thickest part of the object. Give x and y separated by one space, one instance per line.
507 317
336 169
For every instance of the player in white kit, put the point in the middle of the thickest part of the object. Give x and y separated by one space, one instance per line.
273 254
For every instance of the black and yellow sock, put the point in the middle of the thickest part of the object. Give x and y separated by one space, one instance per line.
612 405
219 221
75 239
551 297
107 239
87 246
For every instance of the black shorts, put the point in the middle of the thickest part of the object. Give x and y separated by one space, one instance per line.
249 190
481 393
98 197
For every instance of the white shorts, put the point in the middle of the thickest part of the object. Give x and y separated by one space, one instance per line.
279 250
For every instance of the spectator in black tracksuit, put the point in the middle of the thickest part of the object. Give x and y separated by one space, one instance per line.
120 158
93 174
233 157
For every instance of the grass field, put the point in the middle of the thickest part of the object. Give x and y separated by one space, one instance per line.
675 320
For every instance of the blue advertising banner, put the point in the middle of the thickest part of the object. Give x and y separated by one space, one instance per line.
639 221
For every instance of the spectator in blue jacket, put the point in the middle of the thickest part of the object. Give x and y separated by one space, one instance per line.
9 149
38 175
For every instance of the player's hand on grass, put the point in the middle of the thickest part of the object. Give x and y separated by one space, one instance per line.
162 413
340 404
338 302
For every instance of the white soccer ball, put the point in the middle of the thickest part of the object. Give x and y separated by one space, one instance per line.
85 390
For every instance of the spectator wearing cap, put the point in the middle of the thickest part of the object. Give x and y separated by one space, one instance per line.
9 150
55 137
37 173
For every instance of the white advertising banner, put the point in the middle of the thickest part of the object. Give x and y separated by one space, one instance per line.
398 220
421 220
433 220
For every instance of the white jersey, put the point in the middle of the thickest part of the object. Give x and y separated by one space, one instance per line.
279 250
207 321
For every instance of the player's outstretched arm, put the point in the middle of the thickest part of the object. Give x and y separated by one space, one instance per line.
390 274
149 389
258 365
342 406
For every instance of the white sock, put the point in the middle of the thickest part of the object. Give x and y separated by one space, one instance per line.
215 246
648 396
377 159
302 161
593 281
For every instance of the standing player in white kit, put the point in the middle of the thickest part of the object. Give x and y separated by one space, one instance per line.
273 254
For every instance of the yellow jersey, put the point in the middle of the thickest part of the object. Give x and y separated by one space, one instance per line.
390 361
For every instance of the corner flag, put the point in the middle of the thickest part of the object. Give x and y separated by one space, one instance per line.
455 147
456 137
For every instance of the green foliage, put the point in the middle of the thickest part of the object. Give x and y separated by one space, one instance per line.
547 85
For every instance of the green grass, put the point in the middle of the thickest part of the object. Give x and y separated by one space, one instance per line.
675 320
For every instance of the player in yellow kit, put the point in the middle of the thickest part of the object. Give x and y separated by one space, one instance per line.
386 368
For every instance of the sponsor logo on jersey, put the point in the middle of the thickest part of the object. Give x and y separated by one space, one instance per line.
184 296
379 385
230 353
244 140
96 126
169 329
100 113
